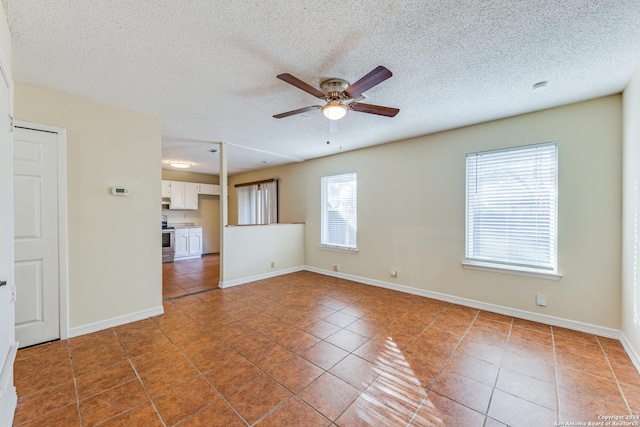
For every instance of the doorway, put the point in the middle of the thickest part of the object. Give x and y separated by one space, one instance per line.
39 171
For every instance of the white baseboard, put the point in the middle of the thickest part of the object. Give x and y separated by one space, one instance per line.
507 311
633 355
115 321
243 280
8 396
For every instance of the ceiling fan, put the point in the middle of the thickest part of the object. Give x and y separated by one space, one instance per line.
341 96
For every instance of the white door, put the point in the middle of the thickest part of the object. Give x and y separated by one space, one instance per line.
6 237
35 189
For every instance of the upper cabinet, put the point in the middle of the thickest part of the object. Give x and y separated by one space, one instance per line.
209 189
166 189
184 195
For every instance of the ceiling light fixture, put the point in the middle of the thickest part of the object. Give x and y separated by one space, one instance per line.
179 164
334 110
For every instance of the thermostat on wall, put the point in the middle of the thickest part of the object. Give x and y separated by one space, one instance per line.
119 191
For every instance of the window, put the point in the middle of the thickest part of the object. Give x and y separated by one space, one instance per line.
258 202
512 208
339 211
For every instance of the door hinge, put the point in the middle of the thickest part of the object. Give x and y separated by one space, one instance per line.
10 123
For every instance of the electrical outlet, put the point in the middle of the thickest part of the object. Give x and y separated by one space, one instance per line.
394 273
273 264
336 267
541 300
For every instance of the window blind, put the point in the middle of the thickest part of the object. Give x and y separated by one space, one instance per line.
511 199
339 210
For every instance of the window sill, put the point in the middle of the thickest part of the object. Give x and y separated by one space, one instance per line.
338 248
507 269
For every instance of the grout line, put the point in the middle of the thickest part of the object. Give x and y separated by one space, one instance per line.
144 387
606 356
75 383
555 371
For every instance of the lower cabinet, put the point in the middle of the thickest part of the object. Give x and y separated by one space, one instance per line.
188 243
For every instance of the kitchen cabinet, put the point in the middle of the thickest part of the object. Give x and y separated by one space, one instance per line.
195 241
181 243
184 195
188 243
166 189
209 189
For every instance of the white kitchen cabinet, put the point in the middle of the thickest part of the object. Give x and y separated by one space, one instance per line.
188 243
184 195
181 243
209 189
191 195
166 189
195 241
177 195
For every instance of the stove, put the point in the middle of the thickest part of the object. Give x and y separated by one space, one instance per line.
168 241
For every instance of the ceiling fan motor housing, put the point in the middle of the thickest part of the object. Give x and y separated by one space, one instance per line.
334 87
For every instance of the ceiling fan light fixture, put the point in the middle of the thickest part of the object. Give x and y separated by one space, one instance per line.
334 110
179 164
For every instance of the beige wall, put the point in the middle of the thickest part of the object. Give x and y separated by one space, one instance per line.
251 250
411 203
631 214
114 242
208 213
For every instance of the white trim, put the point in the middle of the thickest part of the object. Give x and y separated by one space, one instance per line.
63 246
6 375
243 280
510 269
182 258
633 355
8 396
115 321
347 249
507 311
8 405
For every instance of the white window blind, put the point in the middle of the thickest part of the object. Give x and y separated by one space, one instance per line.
512 207
339 210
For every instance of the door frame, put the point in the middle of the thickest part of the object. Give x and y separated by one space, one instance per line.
63 247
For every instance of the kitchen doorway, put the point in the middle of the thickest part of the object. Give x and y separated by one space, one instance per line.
191 276
39 191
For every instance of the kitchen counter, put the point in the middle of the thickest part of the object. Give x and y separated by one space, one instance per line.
184 225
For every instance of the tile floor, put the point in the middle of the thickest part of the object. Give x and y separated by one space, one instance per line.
190 276
309 350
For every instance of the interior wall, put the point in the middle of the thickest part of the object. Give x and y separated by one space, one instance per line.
207 215
114 242
411 211
631 214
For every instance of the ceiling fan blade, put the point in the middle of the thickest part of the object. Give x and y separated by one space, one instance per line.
375 109
376 76
301 85
298 111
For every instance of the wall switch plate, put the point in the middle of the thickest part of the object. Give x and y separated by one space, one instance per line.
541 300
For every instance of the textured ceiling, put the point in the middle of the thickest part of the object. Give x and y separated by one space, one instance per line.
208 68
